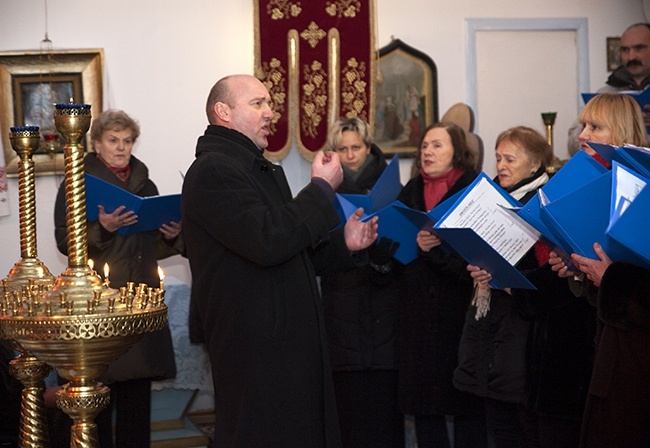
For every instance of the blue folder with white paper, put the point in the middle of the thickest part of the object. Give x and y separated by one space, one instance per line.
579 170
583 217
480 230
152 211
630 213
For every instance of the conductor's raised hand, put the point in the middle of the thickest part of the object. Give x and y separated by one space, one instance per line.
327 166
116 220
360 235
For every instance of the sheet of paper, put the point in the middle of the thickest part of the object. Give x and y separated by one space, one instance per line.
482 211
626 188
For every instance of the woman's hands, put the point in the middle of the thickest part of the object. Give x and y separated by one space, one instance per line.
116 220
427 241
481 276
171 230
593 269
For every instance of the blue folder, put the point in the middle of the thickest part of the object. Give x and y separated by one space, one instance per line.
582 217
385 190
629 228
152 211
473 248
642 97
631 156
578 171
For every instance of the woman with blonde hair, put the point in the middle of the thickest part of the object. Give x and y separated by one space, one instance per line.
613 119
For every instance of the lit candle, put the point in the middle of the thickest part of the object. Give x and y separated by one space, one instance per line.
91 264
106 270
161 275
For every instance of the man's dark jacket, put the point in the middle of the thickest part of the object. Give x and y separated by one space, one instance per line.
255 300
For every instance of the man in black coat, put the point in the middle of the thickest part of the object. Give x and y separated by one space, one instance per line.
254 252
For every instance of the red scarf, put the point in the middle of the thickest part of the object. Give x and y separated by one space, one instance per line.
122 173
435 187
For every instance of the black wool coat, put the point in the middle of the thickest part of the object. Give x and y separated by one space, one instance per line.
618 405
436 292
492 350
253 252
560 346
130 258
360 304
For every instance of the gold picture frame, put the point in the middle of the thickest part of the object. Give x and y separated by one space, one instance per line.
31 82
613 53
406 98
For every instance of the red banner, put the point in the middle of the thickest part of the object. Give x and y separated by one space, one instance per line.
316 58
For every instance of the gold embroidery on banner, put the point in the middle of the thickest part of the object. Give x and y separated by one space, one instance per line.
353 90
274 75
283 9
313 34
314 100
343 8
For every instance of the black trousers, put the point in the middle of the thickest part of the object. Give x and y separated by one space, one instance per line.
469 431
505 424
131 401
367 406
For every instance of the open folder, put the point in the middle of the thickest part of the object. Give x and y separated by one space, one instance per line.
152 211
630 212
642 97
583 216
578 171
482 231
635 157
385 190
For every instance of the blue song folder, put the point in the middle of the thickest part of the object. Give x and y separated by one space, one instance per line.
474 248
642 97
628 218
578 171
152 211
634 157
582 217
385 190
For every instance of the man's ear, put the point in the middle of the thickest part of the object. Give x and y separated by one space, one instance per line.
222 111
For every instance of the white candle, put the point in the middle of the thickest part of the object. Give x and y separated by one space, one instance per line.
161 275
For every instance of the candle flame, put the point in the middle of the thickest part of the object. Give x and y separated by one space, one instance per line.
106 270
91 264
161 275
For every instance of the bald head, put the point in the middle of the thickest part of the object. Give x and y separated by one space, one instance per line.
242 103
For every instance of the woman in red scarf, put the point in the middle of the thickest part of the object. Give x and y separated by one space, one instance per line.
435 296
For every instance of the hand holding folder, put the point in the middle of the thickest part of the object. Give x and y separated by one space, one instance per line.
152 211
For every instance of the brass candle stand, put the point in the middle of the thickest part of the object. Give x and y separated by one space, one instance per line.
549 120
28 278
81 324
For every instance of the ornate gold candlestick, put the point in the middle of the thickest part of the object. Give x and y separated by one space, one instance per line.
81 325
549 120
28 276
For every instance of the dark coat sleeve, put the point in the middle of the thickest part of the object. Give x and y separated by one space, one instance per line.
234 213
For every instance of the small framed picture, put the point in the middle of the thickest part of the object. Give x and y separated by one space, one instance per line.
613 53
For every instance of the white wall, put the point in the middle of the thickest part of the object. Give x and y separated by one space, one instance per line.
162 57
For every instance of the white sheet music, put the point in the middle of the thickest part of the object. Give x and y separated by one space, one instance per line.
628 185
482 210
